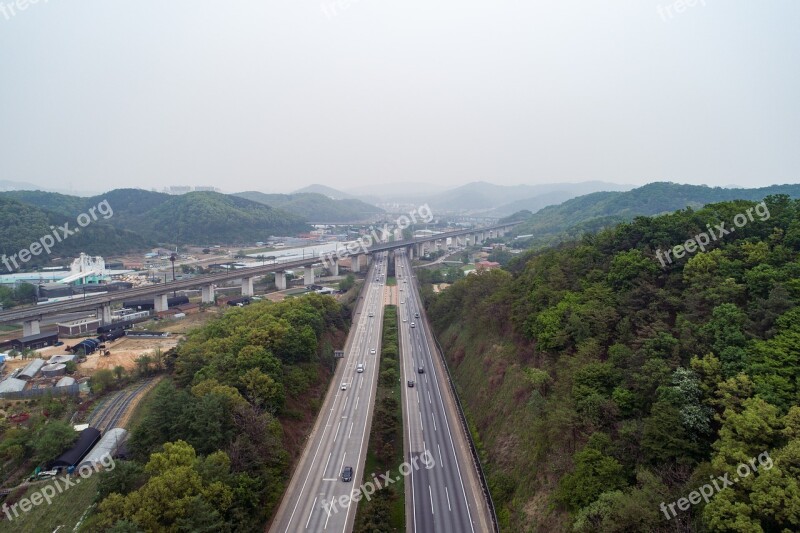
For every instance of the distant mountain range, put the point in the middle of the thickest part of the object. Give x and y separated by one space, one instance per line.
6 185
324 190
593 212
502 200
478 197
316 207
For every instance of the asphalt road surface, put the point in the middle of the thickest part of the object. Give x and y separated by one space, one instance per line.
446 497
315 496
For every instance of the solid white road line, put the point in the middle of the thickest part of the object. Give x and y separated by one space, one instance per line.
312 512
326 464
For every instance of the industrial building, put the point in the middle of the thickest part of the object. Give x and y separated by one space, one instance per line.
72 457
108 446
33 368
35 342
78 327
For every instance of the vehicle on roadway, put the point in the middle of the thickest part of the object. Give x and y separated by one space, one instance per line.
344 386
405 319
416 315
410 382
371 315
372 351
402 301
412 325
347 474
360 367
421 370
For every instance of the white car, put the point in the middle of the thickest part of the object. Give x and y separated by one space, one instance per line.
372 351
405 320
344 386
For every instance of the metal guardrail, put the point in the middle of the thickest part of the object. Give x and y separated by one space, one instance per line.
465 428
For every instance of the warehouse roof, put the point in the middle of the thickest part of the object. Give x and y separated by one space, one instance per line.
32 369
12 385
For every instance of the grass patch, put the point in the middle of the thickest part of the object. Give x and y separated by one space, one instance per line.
386 510
391 281
64 511
141 409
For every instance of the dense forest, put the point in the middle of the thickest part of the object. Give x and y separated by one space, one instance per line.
213 451
619 386
593 212
22 224
144 218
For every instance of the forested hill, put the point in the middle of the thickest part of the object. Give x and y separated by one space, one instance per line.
618 385
22 224
316 207
215 448
592 212
140 218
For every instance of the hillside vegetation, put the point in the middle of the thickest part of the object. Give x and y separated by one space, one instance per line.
316 207
619 386
593 212
140 218
214 451
22 224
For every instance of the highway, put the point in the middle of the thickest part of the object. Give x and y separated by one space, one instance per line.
341 433
446 498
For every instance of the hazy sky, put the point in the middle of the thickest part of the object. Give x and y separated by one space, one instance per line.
277 94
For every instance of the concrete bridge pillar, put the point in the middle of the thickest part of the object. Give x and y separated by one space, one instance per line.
309 276
30 327
161 302
247 287
334 268
104 314
280 280
207 294
355 263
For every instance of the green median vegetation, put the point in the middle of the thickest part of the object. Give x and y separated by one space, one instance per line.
385 511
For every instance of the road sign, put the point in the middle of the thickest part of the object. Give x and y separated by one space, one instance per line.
338 354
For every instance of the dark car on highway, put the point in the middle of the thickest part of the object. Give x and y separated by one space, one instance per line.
347 474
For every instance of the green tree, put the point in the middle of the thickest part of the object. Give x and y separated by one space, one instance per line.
52 439
102 380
